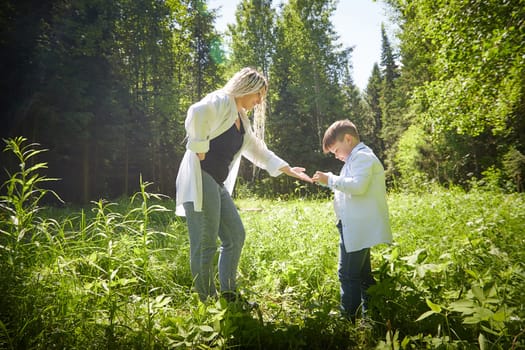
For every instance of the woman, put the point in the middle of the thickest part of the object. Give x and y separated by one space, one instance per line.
219 133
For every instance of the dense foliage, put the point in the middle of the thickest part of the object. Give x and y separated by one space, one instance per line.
105 86
461 89
116 275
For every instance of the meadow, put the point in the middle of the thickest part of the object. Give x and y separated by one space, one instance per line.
115 275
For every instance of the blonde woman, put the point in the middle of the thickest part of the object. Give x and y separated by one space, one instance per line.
219 133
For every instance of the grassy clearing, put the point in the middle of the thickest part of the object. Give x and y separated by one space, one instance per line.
116 276
119 278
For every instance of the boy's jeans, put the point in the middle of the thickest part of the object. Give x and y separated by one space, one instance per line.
219 218
355 276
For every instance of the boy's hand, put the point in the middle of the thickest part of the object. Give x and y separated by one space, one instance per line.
296 172
320 178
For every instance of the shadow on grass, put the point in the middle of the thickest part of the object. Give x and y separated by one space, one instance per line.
320 330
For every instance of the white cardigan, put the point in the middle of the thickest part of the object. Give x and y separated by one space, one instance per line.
207 119
360 200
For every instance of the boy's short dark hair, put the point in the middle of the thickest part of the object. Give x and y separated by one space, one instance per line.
336 132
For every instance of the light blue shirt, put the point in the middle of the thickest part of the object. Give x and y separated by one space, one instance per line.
360 200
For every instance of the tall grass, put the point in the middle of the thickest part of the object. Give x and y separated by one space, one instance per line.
115 275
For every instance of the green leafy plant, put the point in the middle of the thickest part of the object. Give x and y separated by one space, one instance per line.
23 193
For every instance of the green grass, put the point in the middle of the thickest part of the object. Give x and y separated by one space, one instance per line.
116 275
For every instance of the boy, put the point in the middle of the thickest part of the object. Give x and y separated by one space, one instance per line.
361 211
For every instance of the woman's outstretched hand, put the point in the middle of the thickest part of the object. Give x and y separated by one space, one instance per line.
296 172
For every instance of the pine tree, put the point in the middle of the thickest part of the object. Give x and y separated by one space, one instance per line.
391 125
373 96
207 57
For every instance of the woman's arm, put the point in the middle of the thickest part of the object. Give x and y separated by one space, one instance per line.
206 119
296 172
198 128
256 151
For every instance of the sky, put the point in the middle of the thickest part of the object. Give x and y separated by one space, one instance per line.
357 22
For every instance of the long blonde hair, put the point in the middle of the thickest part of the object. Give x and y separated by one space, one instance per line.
249 81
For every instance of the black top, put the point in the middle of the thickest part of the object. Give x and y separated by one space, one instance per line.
221 152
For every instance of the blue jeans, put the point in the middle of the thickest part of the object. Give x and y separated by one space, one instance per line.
355 277
219 218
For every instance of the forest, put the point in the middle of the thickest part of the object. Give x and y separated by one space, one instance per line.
105 86
94 96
